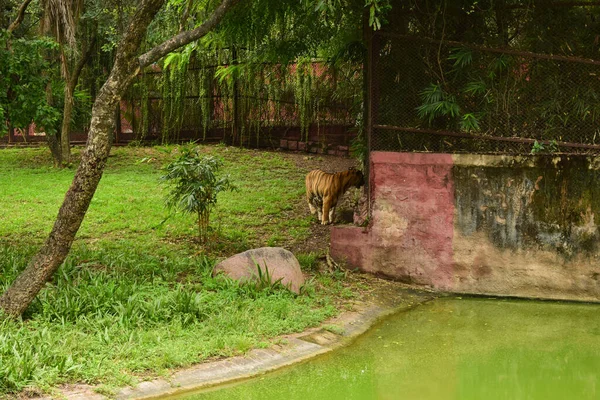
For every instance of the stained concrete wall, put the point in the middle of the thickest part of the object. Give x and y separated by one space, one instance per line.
498 225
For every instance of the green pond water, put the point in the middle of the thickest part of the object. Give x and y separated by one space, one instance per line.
451 349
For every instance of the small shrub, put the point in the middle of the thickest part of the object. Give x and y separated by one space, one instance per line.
194 185
540 147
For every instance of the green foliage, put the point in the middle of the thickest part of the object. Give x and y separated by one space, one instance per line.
308 261
24 77
469 123
228 74
359 147
437 103
233 92
194 184
476 88
461 57
462 80
82 109
377 11
541 147
244 74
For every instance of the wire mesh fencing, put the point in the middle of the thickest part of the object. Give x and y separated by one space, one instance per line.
443 96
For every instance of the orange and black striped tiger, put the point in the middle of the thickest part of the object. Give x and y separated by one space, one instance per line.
323 190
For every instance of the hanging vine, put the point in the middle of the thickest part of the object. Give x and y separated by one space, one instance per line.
247 98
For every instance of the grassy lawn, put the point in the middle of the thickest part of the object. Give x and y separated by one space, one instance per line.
136 296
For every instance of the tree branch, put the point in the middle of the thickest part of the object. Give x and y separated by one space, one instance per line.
20 16
187 37
81 63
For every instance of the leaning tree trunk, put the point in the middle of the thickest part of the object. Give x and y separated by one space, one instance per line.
93 159
54 251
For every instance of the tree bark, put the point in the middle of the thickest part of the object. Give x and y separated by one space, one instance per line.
72 80
184 38
52 138
54 146
65 130
20 16
40 269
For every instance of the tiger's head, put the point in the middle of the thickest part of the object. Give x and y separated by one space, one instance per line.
355 177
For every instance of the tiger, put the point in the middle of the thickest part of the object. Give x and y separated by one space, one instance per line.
323 190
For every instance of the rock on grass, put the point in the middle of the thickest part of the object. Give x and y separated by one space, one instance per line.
276 263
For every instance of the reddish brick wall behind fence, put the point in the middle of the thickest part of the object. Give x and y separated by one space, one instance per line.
331 139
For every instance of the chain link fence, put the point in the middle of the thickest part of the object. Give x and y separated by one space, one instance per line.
444 96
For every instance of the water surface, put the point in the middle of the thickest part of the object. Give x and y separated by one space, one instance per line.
451 349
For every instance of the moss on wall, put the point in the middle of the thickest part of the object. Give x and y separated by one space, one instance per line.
542 202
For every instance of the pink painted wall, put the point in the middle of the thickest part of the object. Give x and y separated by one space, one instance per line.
410 237
480 224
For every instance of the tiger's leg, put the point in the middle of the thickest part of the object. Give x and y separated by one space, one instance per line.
312 208
309 200
326 209
317 203
332 208
332 215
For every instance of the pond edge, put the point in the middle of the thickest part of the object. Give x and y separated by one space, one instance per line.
293 349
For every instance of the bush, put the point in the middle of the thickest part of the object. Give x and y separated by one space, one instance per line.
194 185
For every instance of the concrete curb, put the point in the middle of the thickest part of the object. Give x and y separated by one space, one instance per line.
297 348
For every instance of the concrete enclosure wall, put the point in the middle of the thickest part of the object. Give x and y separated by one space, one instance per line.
498 225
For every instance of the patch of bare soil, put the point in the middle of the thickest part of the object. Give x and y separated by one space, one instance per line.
318 240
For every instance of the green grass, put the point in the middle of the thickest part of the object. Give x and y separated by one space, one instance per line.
308 261
128 205
136 296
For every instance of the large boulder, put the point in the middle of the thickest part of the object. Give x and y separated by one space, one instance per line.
281 264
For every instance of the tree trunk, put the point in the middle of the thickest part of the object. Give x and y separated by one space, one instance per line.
40 269
54 145
72 80
65 130
20 16
11 132
53 138
54 251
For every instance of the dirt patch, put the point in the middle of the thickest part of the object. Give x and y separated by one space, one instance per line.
318 239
